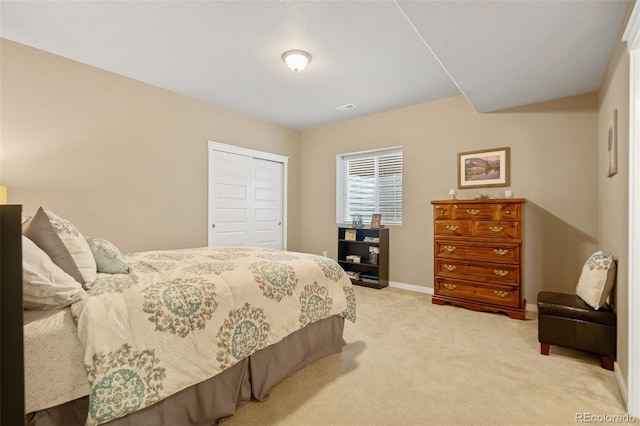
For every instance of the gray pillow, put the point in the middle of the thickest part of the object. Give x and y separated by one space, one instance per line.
108 258
64 244
44 284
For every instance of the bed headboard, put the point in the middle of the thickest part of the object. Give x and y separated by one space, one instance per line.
11 328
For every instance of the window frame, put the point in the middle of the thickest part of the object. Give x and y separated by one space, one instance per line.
341 195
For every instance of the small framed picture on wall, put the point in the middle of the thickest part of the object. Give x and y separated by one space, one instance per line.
612 144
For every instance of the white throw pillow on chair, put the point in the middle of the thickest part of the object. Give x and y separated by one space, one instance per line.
597 279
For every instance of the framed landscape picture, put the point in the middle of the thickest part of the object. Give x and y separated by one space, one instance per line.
484 169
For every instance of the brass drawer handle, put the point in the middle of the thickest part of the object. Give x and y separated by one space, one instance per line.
496 228
443 211
449 286
500 272
452 228
450 249
500 252
449 268
473 212
507 211
501 293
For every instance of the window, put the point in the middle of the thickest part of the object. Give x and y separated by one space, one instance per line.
370 182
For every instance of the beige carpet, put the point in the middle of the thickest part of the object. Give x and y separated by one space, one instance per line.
408 362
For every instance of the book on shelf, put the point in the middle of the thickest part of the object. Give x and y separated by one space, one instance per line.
350 234
369 280
353 274
353 258
371 240
373 278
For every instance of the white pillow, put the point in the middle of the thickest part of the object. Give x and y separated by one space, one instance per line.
45 285
64 244
597 279
108 258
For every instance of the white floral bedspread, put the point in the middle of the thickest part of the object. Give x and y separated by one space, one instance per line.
180 317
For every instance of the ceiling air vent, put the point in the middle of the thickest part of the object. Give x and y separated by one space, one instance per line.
345 107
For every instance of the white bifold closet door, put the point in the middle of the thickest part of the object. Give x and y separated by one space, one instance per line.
245 200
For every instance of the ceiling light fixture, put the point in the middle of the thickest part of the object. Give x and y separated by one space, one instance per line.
297 60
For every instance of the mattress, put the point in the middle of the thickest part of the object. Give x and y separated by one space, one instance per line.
54 371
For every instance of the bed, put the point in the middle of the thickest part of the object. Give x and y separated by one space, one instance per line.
185 337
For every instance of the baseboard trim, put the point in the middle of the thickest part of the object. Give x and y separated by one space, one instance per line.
411 287
532 307
621 383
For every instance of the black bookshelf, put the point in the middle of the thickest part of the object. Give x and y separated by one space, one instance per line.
368 272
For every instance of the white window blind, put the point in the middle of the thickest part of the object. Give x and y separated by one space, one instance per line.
371 183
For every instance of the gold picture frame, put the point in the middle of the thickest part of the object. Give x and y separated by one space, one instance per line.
350 234
376 219
484 169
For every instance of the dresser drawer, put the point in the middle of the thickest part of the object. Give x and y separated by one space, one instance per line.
441 211
508 212
501 274
496 295
452 227
495 229
498 252
473 211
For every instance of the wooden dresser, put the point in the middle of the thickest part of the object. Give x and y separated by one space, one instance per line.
478 254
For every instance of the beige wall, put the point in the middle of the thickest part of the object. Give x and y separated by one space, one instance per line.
614 191
120 159
554 164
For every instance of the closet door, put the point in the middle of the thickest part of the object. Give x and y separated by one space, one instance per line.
229 201
267 189
245 200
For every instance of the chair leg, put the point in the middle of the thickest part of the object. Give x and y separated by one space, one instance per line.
606 362
544 348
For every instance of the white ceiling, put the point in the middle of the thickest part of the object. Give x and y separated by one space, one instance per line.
378 55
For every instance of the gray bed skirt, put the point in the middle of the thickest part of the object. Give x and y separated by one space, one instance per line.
217 398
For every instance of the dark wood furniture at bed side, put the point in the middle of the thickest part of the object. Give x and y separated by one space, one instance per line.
478 254
11 349
361 248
